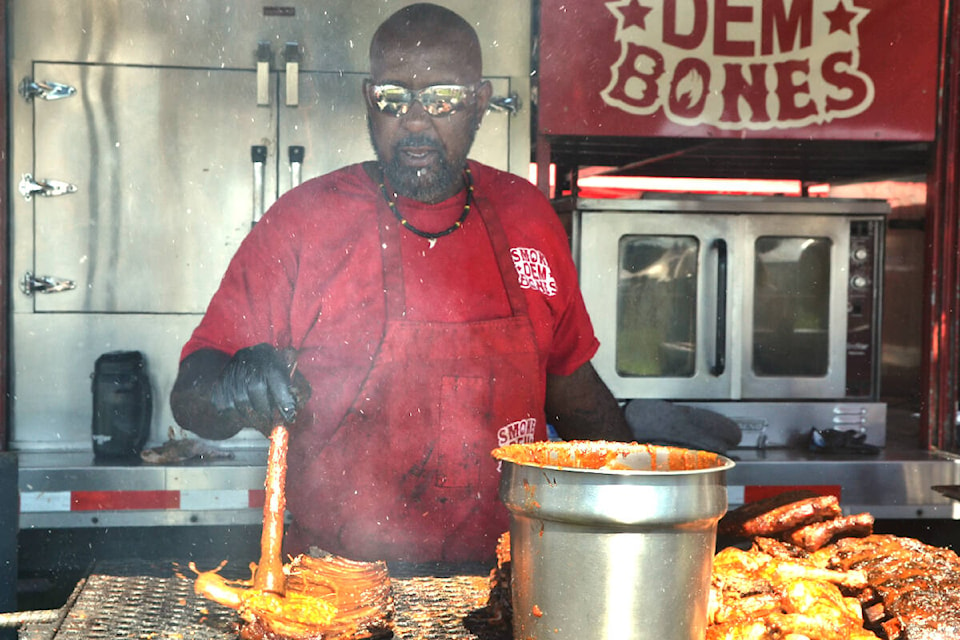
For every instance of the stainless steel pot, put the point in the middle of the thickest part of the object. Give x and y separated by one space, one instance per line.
611 541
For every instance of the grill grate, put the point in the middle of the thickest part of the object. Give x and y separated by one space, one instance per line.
162 606
146 607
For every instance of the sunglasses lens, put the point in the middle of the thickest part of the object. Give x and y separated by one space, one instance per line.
392 99
443 99
437 100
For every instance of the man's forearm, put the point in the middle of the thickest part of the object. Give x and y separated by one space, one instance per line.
581 407
190 399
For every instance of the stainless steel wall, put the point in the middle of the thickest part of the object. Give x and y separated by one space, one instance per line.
157 142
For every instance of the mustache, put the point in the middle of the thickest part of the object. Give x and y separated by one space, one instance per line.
420 141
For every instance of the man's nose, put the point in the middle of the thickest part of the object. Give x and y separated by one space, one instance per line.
416 118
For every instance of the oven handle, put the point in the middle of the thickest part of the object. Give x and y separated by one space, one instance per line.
720 361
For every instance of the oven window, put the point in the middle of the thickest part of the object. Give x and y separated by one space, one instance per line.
657 305
791 304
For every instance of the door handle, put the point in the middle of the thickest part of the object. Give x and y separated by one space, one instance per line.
44 89
258 154
291 53
29 187
296 153
31 284
264 57
720 355
505 104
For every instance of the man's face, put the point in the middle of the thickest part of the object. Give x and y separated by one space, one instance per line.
423 155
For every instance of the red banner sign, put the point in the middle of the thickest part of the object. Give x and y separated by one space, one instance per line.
820 69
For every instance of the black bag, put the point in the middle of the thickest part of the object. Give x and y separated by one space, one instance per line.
122 404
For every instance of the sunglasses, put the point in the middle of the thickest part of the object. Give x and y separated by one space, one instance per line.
438 100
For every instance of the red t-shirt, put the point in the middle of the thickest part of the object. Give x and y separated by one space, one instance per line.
315 258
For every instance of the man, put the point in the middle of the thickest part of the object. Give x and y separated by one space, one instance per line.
431 307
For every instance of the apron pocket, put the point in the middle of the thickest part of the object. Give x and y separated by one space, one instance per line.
462 438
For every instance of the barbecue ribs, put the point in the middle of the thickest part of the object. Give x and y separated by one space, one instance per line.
914 588
822 575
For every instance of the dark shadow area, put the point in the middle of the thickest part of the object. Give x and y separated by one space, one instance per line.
52 561
939 533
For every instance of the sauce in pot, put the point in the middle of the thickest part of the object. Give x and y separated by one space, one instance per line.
601 455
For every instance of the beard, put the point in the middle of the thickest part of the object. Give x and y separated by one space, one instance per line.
424 184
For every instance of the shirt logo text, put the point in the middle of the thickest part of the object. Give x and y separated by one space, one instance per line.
519 432
533 270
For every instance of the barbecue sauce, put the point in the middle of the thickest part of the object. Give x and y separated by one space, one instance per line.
600 455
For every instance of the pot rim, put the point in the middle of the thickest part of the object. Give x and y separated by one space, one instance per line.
505 453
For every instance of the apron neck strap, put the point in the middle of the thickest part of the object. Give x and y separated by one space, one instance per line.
390 235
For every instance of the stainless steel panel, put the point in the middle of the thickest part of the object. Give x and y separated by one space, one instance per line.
54 357
893 484
90 477
76 471
162 162
146 518
330 123
788 423
333 35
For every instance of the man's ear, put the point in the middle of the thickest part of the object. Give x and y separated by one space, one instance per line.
484 93
367 83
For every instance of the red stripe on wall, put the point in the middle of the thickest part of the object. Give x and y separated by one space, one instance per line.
123 500
257 498
752 494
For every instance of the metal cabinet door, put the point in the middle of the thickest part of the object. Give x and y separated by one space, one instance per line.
330 123
161 158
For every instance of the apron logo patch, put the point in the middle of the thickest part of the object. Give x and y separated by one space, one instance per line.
533 270
519 432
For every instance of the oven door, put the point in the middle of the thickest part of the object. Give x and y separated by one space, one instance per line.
695 306
658 291
794 319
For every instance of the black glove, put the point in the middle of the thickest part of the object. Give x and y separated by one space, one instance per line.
256 383
666 423
840 441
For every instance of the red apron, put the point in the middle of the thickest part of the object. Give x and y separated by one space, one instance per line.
407 474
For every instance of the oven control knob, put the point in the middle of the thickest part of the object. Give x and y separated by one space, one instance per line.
859 282
860 254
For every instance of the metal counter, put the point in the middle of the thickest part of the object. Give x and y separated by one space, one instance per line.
59 490
72 489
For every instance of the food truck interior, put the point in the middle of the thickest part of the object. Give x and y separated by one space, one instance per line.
143 130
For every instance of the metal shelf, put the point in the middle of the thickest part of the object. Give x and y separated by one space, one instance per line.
73 490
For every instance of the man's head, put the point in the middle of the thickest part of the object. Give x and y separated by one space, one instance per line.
421 46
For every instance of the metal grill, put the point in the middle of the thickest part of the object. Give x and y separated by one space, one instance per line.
154 606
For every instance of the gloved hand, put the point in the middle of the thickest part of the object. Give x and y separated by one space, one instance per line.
256 383
667 423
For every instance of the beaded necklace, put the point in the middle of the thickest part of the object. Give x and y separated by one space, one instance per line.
432 237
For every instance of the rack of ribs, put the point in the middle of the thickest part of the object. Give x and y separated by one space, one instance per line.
913 588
